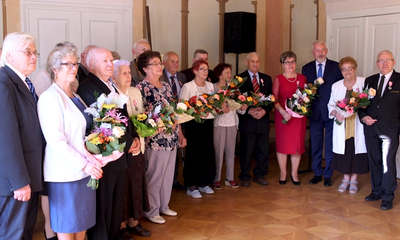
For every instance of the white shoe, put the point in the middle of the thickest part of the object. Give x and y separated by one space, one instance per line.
194 193
157 219
170 212
206 189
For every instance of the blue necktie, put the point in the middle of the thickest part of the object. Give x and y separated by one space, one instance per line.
319 70
31 89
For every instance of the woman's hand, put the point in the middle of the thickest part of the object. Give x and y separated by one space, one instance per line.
135 147
93 170
337 115
285 114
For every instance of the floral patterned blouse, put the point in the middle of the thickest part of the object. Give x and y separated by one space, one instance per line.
152 97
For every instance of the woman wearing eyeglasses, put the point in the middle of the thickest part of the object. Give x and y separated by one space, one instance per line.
199 167
349 150
290 136
66 169
160 148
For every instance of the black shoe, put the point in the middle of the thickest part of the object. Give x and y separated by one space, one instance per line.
372 197
139 230
297 183
316 179
124 234
328 182
178 186
386 205
245 183
52 238
260 181
282 182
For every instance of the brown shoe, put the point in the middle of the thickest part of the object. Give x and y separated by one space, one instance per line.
260 181
245 183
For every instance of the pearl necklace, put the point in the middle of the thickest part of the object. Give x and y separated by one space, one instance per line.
289 80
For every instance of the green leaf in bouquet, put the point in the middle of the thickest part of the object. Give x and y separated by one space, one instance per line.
142 129
120 147
108 151
93 149
190 111
114 143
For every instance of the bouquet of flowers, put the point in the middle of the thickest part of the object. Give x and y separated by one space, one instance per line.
262 100
201 107
145 124
299 105
106 142
184 111
347 107
235 83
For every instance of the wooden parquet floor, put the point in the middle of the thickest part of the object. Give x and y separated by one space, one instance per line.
276 212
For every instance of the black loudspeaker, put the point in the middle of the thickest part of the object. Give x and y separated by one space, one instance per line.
239 32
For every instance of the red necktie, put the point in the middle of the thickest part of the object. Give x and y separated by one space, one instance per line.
256 86
173 86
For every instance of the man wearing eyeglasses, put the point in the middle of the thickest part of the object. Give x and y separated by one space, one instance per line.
320 123
381 129
21 139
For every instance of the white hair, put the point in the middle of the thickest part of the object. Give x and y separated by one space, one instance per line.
252 53
15 41
119 63
318 42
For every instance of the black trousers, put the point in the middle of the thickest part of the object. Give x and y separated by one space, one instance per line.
110 205
381 152
257 143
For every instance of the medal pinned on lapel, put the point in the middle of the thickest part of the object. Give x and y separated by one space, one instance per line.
390 85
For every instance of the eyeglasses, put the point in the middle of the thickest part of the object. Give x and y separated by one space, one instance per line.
203 69
69 65
347 69
156 64
382 61
29 53
289 63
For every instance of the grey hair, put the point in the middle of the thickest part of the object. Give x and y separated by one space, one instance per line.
167 54
56 56
139 42
118 64
201 51
252 53
15 41
318 42
384 51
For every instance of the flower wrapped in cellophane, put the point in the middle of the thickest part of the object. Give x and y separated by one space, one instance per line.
106 142
145 124
262 101
299 104
349 106
184 111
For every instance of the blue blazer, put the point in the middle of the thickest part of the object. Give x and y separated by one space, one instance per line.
331 75
21 140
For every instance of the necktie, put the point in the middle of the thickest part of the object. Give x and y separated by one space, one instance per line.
255 84
173 86
319 70
31 89
379 93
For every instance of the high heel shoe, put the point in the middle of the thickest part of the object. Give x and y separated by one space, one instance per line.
297 183
282 182
52 238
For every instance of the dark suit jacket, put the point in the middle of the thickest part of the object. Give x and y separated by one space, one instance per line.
86 92
246 122
82 73
386 110
181 78
190 75
135 73
332 74
21 138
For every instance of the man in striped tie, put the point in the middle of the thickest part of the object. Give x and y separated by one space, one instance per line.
21 139
254 124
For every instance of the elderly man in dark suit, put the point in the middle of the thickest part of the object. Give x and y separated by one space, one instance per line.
254 125
139 47
381 128
111 191
319 120
21 139
176 80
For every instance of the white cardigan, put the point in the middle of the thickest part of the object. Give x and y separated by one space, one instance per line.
63 126
339 132
190 89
